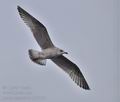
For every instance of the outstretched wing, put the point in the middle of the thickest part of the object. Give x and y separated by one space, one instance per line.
72 69
39 31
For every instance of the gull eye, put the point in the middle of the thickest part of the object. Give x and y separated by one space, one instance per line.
61 50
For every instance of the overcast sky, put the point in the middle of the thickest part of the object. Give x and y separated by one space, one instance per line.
86 29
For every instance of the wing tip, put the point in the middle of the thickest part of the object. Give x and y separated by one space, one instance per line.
19 8
80 81
86 87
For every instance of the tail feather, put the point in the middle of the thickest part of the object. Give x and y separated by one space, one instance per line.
34 56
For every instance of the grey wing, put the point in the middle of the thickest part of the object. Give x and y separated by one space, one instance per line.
72 69
39 31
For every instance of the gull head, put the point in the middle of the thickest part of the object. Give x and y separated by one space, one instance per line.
60 51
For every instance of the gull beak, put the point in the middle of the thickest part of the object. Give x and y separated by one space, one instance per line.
65 52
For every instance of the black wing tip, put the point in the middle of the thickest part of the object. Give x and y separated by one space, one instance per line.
19 8
86 88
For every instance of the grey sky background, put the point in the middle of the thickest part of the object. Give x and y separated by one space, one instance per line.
87 29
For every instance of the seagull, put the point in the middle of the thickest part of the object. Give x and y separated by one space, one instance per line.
50 51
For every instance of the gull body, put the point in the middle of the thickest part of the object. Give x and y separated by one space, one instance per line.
49 51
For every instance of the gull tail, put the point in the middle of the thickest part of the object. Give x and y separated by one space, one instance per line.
34 56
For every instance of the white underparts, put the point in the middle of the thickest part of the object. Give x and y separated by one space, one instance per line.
40 57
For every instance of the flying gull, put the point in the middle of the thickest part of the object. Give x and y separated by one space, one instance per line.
50 51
